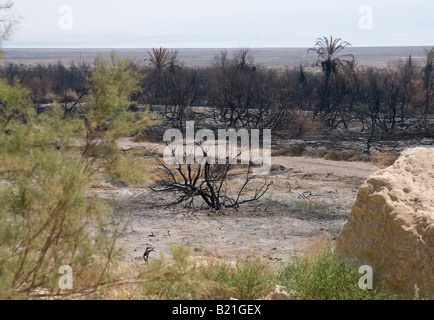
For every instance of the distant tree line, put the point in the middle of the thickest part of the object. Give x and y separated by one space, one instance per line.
235 92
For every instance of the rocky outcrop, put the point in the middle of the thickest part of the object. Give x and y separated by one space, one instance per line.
391 225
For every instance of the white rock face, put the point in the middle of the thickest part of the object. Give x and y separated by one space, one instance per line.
391 225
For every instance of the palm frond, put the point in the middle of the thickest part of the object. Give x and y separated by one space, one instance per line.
327 51
159 58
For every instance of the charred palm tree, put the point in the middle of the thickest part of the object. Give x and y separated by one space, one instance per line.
328 51
159 59
162 60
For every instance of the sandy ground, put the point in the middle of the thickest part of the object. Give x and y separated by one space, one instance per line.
308 196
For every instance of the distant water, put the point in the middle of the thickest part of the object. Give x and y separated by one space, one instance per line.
270 57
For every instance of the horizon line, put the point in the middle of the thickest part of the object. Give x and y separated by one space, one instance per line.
211 48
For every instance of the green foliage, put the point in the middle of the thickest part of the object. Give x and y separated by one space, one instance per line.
13 104
48 217
7 20
128 170
108 116
43 206
183 278
311 209
111 85
324 276
248 280
178 278
319 275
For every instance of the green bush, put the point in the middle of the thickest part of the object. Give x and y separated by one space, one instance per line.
48 216
247 280
178 278
183 278
324 276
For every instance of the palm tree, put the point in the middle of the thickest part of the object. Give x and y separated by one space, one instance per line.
328 50
328 53
159 59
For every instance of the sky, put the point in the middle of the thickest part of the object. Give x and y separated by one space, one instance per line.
219 24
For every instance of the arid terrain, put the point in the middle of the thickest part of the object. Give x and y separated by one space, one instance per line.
308 196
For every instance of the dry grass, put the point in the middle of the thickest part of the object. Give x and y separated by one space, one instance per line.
140 137
152 134
315 245
288 150
126 288
344 155
386 158
212 278
301 123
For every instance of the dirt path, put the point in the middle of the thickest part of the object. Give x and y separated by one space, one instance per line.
328 167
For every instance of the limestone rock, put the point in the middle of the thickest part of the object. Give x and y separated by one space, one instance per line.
391 225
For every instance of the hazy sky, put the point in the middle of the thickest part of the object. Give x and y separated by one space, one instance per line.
220 23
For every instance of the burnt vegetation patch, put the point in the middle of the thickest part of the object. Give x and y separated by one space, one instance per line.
336 100
335 109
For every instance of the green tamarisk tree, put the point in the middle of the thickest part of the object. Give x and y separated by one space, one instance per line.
48 163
